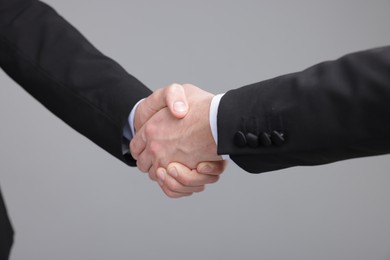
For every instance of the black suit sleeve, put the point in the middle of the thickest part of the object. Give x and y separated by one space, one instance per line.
7 233
51 60
332 111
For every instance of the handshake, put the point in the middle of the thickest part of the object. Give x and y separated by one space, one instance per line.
330 112
173 140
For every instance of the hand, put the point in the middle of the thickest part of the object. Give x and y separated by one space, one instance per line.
172 96
165 138
177 180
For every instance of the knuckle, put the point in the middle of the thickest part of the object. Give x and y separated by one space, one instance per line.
173 87
133 149
152 175
141 166
154 149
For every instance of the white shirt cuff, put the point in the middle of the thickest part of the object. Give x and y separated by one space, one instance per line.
131 118
213 120
128 130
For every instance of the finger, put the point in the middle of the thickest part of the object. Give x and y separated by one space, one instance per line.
144 163
173 185
188 177
176 100
212 168
138 144
161 179
172 194
157 176
172 96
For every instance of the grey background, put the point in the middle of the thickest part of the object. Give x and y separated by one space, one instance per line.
70 200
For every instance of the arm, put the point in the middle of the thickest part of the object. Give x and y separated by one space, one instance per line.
93 94
52 61
332 111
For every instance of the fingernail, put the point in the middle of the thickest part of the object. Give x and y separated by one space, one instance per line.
180 106
173 172
206 169
160 177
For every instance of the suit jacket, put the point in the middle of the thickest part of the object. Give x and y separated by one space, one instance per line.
54 63
6 231
332 111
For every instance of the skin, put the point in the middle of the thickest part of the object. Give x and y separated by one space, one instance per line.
178 180
165 127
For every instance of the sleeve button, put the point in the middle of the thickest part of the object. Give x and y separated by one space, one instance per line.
277 138
265 139
239 139
252 140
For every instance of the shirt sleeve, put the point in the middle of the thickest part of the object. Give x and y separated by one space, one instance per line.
128 130
213 120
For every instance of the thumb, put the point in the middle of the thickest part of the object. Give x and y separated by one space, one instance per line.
172 96
212 168
176 100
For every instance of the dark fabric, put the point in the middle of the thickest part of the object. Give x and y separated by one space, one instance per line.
329 112
6 232
53 62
